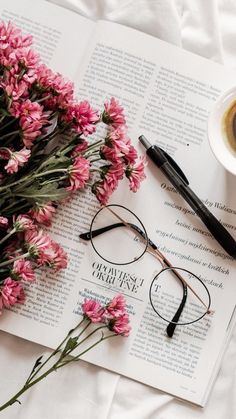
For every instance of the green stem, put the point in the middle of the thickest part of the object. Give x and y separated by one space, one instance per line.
31 178
76 358
12 206
83 340
11 139
92 161
8 186
49 172
7 124
9 134
43 98
96 170
99 142
51 196
55 367
7 236
32 375
46 182
26 387
77 337
9 262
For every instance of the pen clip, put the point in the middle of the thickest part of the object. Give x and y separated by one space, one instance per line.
174 165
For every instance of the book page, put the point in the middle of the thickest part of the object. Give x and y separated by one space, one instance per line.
167 94
60 36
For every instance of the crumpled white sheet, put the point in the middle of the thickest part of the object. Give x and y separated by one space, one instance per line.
84 391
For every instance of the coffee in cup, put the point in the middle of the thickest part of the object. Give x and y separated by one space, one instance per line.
222 130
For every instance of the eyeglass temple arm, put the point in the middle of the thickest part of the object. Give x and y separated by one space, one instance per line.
91 234
172 325
95 233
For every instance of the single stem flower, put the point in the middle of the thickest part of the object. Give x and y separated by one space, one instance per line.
71 343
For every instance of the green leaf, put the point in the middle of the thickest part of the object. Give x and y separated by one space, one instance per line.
70 345
36 365
56 162
4 112
16 401
36 193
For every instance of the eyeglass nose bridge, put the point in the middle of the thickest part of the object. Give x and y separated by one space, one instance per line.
155 252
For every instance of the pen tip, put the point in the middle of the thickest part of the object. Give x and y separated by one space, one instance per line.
143 140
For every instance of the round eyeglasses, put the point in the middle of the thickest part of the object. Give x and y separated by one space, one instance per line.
177 296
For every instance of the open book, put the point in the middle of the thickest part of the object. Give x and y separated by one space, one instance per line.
167 94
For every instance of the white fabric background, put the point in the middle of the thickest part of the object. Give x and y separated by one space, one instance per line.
83 391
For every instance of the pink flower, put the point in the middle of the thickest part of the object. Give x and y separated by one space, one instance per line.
113 113
61 91
135 174
103 191
11 40
114 173
12 292
80 148
110 153
118 139
93 310
28 59
24 270
3 222
23 222
120 325
53 256
14 87
116 307
11 37
82 117
43 213
60 258
78 173
37 242
31 119
30 110
17 159
131 156
111 176
30 130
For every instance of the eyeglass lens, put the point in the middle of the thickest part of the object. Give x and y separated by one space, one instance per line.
121 243
167 292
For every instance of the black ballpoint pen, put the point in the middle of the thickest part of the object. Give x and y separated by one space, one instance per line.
175 175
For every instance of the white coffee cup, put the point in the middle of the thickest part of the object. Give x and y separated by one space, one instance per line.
216 133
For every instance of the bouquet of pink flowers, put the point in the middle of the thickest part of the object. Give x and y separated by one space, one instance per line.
46 156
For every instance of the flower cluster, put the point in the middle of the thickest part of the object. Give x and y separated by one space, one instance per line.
113 315
30 248
114 321
37 107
